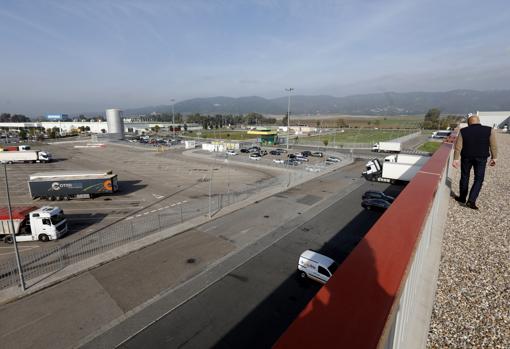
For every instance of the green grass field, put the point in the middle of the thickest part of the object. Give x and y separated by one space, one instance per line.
431 147
357 136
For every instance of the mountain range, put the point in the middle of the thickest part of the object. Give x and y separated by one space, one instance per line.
388 103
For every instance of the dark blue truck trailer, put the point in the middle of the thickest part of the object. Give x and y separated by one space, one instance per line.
65 185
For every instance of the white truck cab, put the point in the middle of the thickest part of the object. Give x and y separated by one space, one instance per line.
43 224
316 266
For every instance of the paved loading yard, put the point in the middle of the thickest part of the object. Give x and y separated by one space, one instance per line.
149 182
171 186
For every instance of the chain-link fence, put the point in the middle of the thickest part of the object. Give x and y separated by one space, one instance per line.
207 197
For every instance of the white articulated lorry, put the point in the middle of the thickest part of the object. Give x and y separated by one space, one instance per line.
25 156
407 159
32 224
395 168
387 147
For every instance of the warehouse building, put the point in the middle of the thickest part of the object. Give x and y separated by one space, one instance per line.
494 119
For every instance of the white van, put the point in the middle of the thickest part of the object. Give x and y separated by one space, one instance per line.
316 266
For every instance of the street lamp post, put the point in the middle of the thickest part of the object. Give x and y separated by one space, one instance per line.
289 90
18 261
173 118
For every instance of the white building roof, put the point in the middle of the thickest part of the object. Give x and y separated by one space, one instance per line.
496 119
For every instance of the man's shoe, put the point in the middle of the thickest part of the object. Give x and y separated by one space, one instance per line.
459 199
471 205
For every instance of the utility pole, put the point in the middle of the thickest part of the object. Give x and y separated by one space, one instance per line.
173 118
13 233
289 90
210 184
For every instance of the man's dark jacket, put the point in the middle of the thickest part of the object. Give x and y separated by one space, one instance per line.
475 141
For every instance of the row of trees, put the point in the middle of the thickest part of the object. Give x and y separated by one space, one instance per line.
6 117
219 120
433 120
39 133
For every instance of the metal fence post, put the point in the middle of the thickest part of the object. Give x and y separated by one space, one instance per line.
61 258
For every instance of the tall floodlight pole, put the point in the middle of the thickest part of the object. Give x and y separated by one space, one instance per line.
13 233
289 90
173 117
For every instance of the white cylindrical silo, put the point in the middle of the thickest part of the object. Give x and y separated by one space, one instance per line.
115 123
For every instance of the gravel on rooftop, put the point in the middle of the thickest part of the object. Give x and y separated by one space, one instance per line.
472 305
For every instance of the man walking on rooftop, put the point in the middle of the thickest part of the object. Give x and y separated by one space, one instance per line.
472 147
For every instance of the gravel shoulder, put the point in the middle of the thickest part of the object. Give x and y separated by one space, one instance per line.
472 306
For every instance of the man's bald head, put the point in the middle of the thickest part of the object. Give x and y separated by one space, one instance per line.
473 119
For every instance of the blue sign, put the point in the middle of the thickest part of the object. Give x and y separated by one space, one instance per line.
55 117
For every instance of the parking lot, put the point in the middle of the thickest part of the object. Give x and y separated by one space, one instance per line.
284 160
150 182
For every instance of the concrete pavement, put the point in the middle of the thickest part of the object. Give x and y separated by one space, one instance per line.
82 307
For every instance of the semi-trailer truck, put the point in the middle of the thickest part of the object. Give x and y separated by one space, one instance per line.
407 159
387 147
25 156
65 185
392 171
32 224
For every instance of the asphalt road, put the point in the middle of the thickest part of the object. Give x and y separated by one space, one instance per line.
253 304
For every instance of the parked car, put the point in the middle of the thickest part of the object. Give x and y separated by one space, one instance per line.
375 194
255 156
231 152
312 169
375 204
301 158
291 156
278 161
333 159
244 150
274 152
316 266
254 149
306 153
263 152
280 150
291 162
318 154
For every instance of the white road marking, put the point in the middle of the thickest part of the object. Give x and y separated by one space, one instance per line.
159 209
172 205
146 213
138 215
130 218
95 219
184 202
153 211
244 231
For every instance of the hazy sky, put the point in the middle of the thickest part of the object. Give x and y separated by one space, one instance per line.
74 56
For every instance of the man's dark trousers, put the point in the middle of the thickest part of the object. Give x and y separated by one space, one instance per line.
478 164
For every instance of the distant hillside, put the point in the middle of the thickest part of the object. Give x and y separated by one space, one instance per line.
389 103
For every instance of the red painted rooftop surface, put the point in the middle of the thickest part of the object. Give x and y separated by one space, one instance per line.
17 212
352 309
